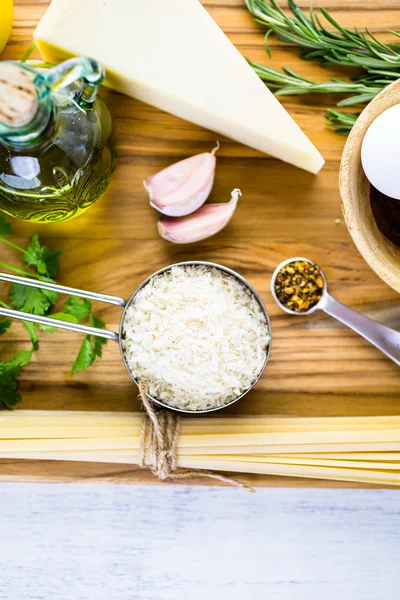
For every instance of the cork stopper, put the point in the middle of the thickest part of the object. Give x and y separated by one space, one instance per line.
18 97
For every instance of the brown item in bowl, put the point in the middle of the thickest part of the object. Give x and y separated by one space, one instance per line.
386 213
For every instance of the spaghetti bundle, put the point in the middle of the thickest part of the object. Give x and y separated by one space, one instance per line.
358 449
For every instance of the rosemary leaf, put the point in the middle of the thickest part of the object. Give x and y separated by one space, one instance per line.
290 83
360 99
341 122
378 63
344 47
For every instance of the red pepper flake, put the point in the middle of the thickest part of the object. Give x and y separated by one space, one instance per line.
299 285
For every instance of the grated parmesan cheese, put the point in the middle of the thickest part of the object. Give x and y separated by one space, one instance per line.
197 336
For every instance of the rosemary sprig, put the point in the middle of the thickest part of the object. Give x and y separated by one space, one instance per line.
342 47
378 62
341 122
289 83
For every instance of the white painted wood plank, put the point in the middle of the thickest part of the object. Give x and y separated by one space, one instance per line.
89 542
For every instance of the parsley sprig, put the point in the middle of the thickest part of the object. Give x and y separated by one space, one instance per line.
92 346
41 263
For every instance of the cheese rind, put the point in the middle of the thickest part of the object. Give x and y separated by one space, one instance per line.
172 55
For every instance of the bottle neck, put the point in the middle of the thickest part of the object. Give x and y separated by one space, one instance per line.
30 113
32 134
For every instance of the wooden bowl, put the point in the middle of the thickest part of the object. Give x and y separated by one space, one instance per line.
381 255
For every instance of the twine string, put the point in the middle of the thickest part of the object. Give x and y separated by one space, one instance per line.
158 445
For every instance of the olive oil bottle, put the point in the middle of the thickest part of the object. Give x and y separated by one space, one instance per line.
57 145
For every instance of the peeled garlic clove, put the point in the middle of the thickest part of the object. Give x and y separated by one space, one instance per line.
202 224
183 187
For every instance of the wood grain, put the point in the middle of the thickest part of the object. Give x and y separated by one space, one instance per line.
317 367
85 541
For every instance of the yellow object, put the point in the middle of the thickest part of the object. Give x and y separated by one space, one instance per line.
172 55
6 21
361 449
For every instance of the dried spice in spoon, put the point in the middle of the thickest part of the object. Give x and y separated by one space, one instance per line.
299 285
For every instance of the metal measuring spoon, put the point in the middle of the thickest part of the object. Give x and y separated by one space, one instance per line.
384 338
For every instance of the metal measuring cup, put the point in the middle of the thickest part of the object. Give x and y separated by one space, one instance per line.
384 338
118 337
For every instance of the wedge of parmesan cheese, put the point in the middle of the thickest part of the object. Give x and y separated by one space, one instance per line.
172 55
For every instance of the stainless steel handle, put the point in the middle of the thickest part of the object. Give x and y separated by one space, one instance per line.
87 330
22 316
384 338
54 287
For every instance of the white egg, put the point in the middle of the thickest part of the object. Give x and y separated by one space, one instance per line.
380 152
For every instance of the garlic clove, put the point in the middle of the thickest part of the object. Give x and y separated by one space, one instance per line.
183 187
202 224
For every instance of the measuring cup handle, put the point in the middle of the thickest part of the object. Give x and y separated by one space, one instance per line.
384 338
54 287
59 324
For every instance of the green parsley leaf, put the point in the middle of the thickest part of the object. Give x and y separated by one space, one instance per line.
22 358
31 327
85 357
9 373
92 346
97 341
45 261
8 385
61 317
5 227
98 344
11 370
41 302
80 308
32 300
97 322
4 325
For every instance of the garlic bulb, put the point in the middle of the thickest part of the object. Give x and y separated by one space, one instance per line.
183 187
205 222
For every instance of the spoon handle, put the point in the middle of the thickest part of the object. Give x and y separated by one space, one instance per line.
384 338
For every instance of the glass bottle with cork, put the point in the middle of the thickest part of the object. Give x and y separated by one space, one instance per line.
57 145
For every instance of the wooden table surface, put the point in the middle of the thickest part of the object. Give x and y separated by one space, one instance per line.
61 542
317 367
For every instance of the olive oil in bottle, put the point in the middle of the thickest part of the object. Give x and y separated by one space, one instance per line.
57 145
